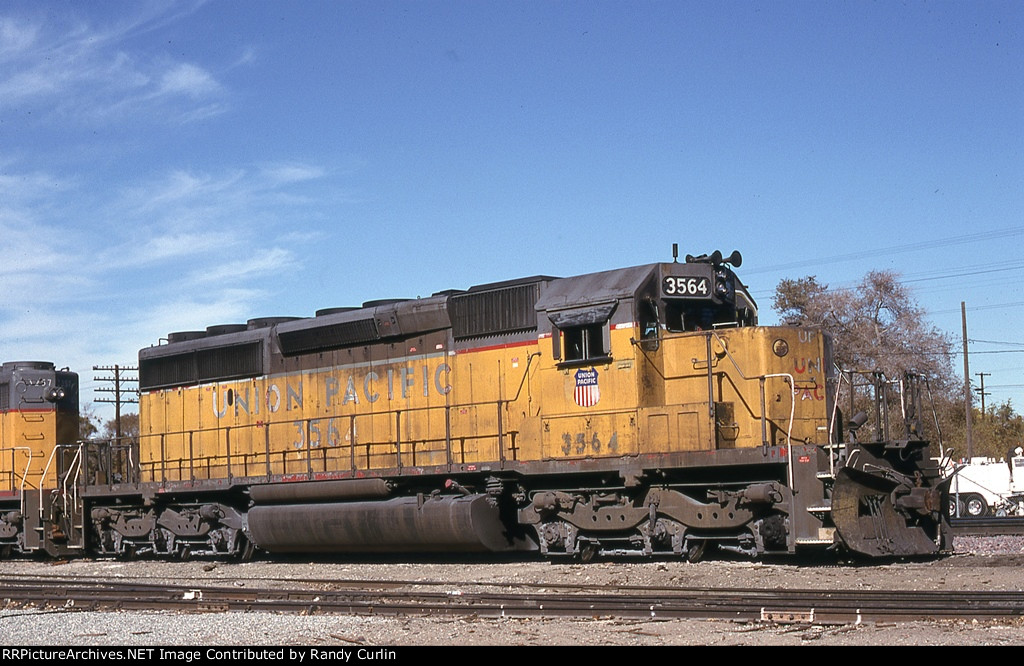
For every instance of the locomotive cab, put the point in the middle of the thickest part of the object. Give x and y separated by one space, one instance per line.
725 425
703 294
38 455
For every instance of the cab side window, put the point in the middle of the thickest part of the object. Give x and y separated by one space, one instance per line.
584 342
649 326
580 335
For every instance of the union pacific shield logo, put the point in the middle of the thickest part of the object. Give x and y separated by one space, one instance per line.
587 393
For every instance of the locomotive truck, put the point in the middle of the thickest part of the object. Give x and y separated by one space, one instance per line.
637 411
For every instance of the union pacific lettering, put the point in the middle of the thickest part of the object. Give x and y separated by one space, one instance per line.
809 387
336 390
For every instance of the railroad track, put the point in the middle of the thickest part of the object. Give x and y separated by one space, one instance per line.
987 526
467 599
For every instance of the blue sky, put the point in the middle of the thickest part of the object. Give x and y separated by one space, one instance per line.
171 166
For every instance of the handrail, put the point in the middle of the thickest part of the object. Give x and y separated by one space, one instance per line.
526 373
267 424
255 459
788 376
832 423
49 462
46 470
24 474
935 417
13 473
835 405
159 470
708 335
76 465
764 416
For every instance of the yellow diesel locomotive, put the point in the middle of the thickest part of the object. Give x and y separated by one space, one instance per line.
38 456
637 411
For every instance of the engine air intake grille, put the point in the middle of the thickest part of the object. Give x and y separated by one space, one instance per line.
492 312
203 365
329 336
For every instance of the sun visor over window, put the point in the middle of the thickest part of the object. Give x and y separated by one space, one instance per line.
592 314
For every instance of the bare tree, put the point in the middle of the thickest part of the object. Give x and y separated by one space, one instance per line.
876 325
129 427
88 421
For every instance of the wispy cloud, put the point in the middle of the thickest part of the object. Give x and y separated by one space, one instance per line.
56 64
291 173
17 36
165 254
262 263
202 230
188 79
246 57
135 253
180 189
99 239
33 246
191 312
21 188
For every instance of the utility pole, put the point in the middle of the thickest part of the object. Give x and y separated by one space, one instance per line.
981 391
967 385
121 394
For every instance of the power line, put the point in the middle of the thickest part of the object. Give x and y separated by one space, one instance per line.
965 271
996 342
976 308
899 249
925 276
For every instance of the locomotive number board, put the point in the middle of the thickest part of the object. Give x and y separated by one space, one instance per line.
678 286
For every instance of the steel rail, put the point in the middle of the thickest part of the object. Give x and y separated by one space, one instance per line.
783 606
988 526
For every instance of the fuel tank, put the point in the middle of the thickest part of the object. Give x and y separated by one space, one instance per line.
320 491
406 524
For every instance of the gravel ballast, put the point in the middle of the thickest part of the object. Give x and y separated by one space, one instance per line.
980 563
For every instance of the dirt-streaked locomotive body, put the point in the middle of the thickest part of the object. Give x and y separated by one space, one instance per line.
38 409
634 411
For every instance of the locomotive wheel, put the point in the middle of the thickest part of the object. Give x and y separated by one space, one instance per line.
695 550
246 549
974 505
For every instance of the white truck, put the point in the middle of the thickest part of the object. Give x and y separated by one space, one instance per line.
985 487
